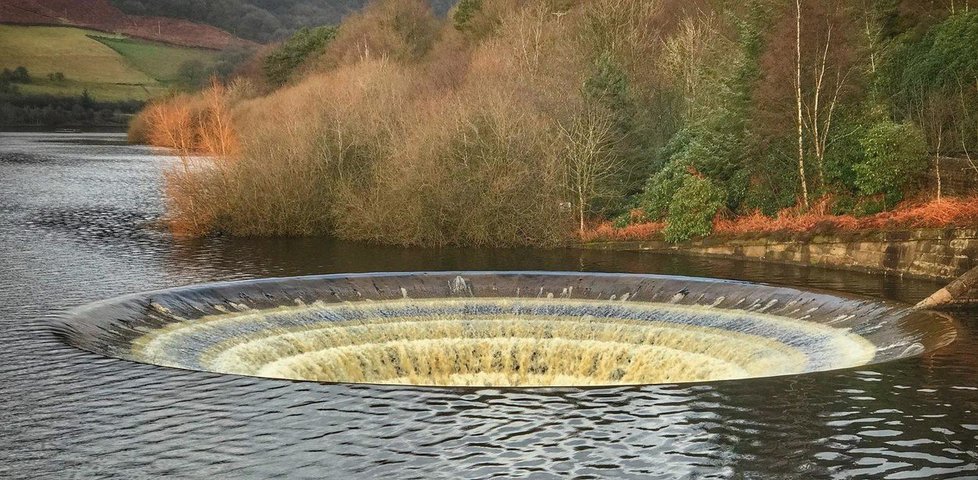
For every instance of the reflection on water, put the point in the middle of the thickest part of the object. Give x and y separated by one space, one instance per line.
76 225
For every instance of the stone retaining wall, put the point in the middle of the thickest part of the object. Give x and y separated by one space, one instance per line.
933 254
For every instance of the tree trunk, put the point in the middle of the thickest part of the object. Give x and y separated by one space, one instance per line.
801 144
940 138
963 291
580 203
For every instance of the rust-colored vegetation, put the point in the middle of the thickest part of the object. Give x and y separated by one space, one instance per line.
944 213
607 232
198 131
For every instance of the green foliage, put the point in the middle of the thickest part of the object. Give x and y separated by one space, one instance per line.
192 74
845 154
932 79
692 209
946 56
6 87
844 205
51 111
608 84
896 155
773 180
86 99
609 87
21 75
622 220
17 75
869 206
281 64
229 60
712 152
661 189
464 11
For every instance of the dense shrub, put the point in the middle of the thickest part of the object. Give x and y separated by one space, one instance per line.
400 30
17 75
692 209
895 156
661 189
17 109
307 43
930 77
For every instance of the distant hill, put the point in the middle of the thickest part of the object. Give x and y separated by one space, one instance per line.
119 53
262 21
110 67
102 15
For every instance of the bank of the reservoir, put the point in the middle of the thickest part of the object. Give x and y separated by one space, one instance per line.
941 254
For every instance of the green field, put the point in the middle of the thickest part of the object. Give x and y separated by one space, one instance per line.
110 67
162 62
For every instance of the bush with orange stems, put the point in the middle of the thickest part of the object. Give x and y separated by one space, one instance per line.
198 130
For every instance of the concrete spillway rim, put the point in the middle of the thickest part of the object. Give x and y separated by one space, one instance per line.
63 321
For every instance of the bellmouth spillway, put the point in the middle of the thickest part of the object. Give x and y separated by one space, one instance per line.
502 329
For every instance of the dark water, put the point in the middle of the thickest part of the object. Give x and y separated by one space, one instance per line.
76 224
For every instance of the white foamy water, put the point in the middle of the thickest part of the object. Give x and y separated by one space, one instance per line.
502 342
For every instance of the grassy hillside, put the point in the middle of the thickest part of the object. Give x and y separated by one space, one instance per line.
101 15
110 67
159 61
46 50
260 20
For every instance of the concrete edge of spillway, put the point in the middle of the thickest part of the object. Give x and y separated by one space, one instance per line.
111 327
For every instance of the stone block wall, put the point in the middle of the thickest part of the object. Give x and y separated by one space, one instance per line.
929 253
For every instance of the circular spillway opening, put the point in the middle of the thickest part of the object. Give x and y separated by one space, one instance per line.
502 329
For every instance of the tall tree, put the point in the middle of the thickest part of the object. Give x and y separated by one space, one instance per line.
822 74
801 141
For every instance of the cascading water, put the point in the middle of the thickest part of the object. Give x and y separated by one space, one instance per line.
502 329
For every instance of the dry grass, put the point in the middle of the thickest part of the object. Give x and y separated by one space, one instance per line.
948 212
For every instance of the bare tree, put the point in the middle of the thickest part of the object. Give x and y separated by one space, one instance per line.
588 148
700 60
822 101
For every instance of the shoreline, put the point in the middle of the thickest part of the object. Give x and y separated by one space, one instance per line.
926 253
